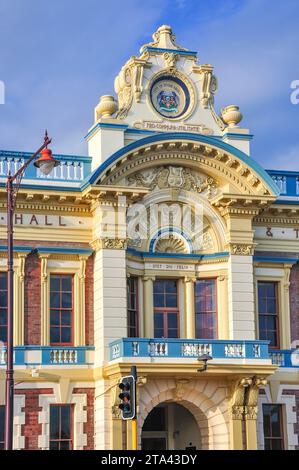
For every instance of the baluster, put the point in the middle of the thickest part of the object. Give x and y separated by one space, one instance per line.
68 172
2 168
81 171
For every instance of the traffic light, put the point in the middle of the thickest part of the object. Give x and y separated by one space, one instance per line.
128 397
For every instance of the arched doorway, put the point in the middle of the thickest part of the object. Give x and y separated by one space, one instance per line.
170 426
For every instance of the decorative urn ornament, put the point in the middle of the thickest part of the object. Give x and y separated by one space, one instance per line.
107 107
231 115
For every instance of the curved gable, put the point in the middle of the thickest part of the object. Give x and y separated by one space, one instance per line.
214 149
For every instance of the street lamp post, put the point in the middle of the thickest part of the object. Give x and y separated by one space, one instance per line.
45 163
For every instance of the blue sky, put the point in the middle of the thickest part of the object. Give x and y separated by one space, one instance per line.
57 57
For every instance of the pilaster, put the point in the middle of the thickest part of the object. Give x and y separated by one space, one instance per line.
189 307
148 306
45 294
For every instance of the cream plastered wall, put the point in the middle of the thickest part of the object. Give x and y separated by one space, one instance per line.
110 296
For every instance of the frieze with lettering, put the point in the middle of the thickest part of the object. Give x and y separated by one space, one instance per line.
277 233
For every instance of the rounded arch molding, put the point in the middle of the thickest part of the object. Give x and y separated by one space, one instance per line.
215 222
209 154
206 401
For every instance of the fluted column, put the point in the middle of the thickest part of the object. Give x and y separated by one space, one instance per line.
189 307
148 306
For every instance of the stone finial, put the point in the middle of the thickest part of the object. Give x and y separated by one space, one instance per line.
106 108
163 38
231 115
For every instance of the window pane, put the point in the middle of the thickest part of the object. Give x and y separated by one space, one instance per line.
66 335
159 333
262 305
54 422
172 333
158 287
55 317
65 445
66 317
54 335
66 300
271 305
54 283
172 320
3 281
171 286
277 444
3 298
54 300
273 432
158 319
2 414
171 301
159 300
65 422
54 445
66 282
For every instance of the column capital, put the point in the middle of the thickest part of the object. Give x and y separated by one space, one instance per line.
109 244
187 279
243 249
149 278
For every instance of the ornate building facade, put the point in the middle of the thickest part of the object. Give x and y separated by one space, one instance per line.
166 242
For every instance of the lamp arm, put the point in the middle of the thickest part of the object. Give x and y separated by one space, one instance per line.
23 168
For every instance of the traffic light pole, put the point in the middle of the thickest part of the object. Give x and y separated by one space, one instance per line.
134 420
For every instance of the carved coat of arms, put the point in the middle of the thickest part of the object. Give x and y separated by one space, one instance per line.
174 177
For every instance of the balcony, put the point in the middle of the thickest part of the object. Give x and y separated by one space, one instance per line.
49 356
221 350
72 169
285 357
287 182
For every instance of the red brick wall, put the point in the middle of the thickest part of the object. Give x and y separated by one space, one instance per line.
32 429
296 409
89 322
294 302
89 425
32 300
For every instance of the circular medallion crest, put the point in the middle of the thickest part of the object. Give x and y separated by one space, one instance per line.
170 96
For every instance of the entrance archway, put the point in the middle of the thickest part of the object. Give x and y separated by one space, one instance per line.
170 426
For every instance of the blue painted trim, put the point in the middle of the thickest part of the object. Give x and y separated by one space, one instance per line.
58 156
147 254
25 249
231 135
186 136
283 172
172 51
105 125
265 259
49 187
43 249
287 202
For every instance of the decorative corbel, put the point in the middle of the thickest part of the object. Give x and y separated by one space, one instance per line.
251 397
238 397
179 390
